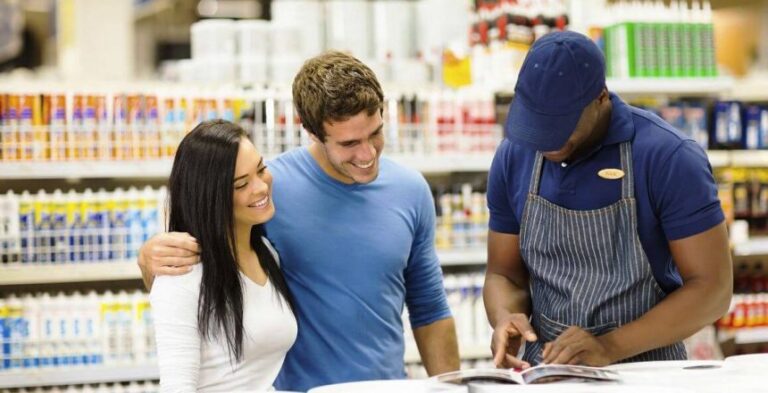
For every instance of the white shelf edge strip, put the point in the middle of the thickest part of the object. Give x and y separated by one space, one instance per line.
745 335
76 375
715 85
17 274
427 164
472 256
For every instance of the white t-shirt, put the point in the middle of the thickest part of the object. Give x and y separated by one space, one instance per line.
190 363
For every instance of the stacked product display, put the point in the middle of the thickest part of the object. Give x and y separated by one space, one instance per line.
653 40
400 39
501 33
73 228
746 322
462 219
41 331
147 125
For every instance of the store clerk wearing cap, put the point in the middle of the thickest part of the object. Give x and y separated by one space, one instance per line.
607 241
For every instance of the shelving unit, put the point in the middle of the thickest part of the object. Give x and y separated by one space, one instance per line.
428 165
82 272
720 86
17 274
463 257
671 86
754 247
85 169
77 376
752 335
434 164
750 89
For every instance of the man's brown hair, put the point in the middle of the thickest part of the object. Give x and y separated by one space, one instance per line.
334 86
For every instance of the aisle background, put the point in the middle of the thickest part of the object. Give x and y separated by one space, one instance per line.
95 95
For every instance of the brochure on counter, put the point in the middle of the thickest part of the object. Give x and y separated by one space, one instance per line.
534 375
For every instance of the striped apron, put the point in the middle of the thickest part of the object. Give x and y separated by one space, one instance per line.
587 267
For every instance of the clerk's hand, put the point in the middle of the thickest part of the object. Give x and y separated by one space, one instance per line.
508 336
577 346
172 254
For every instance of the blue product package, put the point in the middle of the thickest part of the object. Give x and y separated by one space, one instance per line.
59 240
695 114
764 128
735 126
13 335
751 137
5 345
26 226
719 135
118 234
673 114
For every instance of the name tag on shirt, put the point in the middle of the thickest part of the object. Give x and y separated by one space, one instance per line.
611 173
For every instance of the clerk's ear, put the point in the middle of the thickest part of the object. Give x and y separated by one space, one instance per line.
603 95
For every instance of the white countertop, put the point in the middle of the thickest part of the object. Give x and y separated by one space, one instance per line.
742 374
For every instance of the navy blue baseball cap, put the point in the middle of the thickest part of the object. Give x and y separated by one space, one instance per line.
563 72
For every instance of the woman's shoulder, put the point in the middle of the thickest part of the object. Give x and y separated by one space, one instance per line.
186 283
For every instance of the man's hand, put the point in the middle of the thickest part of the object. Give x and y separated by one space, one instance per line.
577 346
171 253
508 336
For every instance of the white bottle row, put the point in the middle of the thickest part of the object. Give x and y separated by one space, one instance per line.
110 226
69 228
42 331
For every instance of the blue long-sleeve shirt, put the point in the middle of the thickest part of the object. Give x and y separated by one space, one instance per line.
353 255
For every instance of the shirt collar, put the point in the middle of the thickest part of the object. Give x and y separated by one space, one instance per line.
621 128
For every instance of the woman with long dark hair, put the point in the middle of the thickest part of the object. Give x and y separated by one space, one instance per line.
227 325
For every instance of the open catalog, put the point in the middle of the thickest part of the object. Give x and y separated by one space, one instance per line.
534 375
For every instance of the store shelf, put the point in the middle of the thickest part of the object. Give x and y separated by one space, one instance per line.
750 89
446 163
671 86
86 169
466 352
77 375
466 257
749 158
753 247
427 164
745 335
719 158
162 168
18 274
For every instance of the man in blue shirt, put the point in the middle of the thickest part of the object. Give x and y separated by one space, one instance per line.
355 235
607 242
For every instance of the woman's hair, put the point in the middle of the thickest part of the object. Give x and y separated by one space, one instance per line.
200 192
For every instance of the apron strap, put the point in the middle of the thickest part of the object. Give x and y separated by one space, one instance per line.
538 164
628 182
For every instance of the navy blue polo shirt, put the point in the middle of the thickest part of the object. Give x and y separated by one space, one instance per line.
675 191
